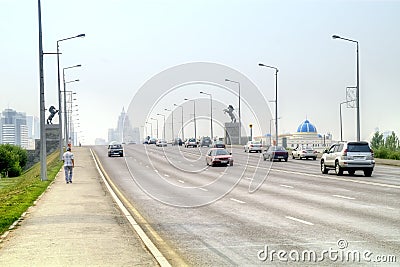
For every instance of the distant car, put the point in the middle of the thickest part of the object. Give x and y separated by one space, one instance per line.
205 141
219 156
350 157
304 153
276 152
253 146
161 142
219 144
152 141
115 149
191 142
177 142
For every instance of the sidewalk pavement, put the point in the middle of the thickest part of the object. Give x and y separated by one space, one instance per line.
75 224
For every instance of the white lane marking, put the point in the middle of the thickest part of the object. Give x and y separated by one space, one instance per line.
181 181
390 208
237 200
166 175
249 178
203 189
156 170
340 179
147 166
339 196
159 257
298 220
287 186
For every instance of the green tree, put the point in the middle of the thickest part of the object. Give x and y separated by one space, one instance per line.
12 160
377 140
392 142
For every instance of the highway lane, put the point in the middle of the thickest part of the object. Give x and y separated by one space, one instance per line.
296 208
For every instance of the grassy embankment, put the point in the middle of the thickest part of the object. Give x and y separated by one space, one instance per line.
18 194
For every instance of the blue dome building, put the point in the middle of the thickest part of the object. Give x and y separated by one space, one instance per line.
306 127
306 135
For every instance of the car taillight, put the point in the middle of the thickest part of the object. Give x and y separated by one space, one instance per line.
372 152
251 145
345 152
304 151
315 152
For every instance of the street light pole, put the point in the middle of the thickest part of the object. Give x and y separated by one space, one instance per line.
240 111
183 135
358 83
211 106
194 116
157 125
164 124
276 99
172 126
43 152
65 102
59 90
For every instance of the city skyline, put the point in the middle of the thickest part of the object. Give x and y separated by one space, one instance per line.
138 40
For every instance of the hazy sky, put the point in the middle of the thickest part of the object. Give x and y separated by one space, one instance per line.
128 42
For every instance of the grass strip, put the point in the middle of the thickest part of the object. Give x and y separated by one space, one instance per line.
17 194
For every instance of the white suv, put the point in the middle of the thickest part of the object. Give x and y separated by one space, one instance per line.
350 157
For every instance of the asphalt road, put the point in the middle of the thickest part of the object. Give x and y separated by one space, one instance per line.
259 212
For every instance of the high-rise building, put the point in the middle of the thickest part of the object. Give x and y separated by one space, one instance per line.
13 128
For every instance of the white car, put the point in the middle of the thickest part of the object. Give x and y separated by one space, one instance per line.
304 153
191 142
253 146
161 142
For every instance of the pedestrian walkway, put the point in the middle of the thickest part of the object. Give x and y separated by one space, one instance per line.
75 224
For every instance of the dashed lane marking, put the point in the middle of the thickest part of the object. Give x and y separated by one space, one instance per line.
298 220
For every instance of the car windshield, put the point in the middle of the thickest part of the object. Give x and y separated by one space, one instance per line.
221 152
277 148
358 148
115 146
192 140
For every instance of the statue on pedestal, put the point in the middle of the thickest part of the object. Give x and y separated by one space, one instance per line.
53 111
230 110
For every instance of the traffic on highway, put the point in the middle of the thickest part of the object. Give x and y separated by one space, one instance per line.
244 214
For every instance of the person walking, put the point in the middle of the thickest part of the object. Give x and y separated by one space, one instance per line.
68 158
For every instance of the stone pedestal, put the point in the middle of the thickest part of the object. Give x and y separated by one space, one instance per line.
232 133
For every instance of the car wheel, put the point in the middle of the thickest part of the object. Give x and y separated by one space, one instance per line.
264 158
292 156
314 158
367 173
270 158
338 169
324 170
121 155
352 172
286 159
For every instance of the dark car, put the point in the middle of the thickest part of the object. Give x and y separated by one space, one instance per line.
152 141
177 142
276 152
219 144
115 149
219 156
205 141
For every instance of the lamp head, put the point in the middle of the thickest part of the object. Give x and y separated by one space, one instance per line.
81 35
336 37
